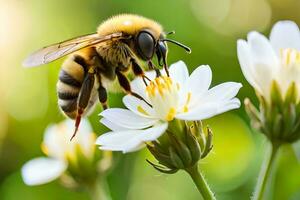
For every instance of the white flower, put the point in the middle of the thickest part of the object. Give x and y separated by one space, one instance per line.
278 58
60 150
179 96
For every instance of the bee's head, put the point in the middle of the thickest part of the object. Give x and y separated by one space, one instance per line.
146 45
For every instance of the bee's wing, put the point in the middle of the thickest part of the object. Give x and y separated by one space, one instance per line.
56 51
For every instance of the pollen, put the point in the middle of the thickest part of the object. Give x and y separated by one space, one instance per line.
160 85
171 114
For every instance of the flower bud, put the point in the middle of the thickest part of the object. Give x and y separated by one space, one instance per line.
278 118
181 147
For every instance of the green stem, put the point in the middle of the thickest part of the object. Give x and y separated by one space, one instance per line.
98 190
200 182
266 172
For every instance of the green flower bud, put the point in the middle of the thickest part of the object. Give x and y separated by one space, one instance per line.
183 145
278 118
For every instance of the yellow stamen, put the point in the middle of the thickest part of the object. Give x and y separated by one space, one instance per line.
170 116
159 84
298 57
288 56
185 109
188 98
44 149
141 110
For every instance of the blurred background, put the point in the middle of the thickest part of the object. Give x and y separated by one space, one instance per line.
28 100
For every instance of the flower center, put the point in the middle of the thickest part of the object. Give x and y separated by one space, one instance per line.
163 94
290 57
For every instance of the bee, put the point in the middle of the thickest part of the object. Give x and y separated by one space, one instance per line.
96 59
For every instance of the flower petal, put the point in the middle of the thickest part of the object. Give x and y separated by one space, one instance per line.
57 138
42 170
259 61
138 106
179 72
138 86
262 51
203 111
210 109
111 125
131 140
229 105
247 66
200 80
222 92
127 119
285 34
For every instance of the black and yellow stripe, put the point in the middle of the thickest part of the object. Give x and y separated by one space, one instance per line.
70 81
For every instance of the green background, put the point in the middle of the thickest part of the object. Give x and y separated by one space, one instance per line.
28 100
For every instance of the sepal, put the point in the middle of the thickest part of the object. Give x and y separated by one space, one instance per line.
183 149
278 118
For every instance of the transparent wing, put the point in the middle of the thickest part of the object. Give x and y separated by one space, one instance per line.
56 51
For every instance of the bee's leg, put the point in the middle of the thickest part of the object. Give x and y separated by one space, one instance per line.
84 97
153 67
102 93
166 67
138 71
124 83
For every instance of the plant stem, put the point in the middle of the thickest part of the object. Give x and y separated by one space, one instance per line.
266 172
200 182
98 191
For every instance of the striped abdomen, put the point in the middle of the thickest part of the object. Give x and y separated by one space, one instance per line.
71 77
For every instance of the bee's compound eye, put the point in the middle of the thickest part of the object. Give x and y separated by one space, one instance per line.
145 45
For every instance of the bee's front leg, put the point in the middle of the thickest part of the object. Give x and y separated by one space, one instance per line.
125 84
153 67
138 71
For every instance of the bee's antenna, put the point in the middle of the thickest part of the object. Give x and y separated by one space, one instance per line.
186 48
170 33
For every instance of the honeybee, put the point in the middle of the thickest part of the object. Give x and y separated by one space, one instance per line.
99 58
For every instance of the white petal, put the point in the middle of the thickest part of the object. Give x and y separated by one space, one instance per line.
85 136
203 111
200 80
265 64
222 91
210 109
133 104
138 86
117 138
262 51
247 65
131 140
57 138
42 170
179 72
127 119
153 133
229 105
285 34
111 125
